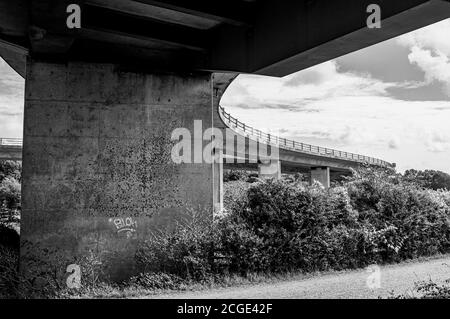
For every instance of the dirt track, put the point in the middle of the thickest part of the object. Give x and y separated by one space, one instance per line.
352 284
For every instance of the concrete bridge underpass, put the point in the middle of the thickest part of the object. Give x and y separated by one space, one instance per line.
106 83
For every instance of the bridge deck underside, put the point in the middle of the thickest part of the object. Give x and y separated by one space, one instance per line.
228 36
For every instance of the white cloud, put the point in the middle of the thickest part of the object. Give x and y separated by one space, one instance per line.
433 37
430 51
304 88
438 142
436 66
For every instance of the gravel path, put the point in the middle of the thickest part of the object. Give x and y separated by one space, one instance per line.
351 284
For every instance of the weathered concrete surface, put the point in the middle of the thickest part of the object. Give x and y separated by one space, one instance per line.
321 175
98 177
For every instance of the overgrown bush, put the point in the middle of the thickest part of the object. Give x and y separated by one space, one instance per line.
233 194
234 175
374 216
419 218
155 281
9 238
428 179
293 227
432 290
9 277
10 192
10 169
427 290
187 252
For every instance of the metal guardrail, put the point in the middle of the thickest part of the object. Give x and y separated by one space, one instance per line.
284 143
11 141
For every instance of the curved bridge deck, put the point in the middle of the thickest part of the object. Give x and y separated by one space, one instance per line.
292 154
297 150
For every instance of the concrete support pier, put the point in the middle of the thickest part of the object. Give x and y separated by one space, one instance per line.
321 175
270 169
98 177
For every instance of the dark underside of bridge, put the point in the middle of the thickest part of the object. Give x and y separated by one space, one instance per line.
269 37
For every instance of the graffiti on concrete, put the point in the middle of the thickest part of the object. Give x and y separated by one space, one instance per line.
125 225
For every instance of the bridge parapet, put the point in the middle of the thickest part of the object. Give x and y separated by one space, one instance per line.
11 141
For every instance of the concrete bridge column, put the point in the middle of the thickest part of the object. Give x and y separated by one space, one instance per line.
321 175
98 176
270 169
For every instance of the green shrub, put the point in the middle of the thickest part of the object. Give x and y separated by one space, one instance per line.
9 237
427 290
10 192
374 216
432 290
187 252
9 276
234 175
154 281
11 169
234 194
10 198
295 223
279 226
428 179
239 250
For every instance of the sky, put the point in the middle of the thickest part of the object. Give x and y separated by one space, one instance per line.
390 101
12 87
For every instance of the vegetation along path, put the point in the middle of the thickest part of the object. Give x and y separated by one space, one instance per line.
399 278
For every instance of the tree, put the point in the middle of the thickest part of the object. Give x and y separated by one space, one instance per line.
428 179
10 169
10 191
